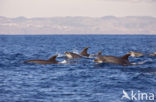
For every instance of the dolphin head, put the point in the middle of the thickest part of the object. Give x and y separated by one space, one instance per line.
132 53
68 54
135 54
98 60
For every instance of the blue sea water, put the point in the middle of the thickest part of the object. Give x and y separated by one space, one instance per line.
81 81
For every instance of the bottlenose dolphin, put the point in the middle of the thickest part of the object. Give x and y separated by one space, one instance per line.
112 59
136 54
51 60
84 52
71 55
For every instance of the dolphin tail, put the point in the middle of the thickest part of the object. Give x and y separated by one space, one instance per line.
26 61
29 61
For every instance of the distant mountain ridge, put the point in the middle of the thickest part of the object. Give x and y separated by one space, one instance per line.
79 25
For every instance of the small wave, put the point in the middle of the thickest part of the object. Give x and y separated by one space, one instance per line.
75 51
92 56
142 62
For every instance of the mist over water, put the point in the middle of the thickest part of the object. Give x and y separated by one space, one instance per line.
79 81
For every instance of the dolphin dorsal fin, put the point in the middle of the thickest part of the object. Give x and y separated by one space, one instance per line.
126 56
99 53
53 58
84 52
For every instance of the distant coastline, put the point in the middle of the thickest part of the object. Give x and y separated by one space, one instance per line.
107 25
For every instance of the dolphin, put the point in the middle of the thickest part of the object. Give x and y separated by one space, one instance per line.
112 59
51 60
71 55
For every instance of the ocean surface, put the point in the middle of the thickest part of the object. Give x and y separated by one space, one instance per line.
79 81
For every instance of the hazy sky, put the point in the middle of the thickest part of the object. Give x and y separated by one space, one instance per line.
92 8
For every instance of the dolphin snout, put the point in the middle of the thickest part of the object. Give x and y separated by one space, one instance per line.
98 61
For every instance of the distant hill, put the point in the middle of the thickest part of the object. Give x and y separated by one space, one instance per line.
78 25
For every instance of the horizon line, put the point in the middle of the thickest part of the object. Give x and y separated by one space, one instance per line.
76 34
76 16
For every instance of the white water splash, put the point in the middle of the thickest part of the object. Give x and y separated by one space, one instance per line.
142 62
64 62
